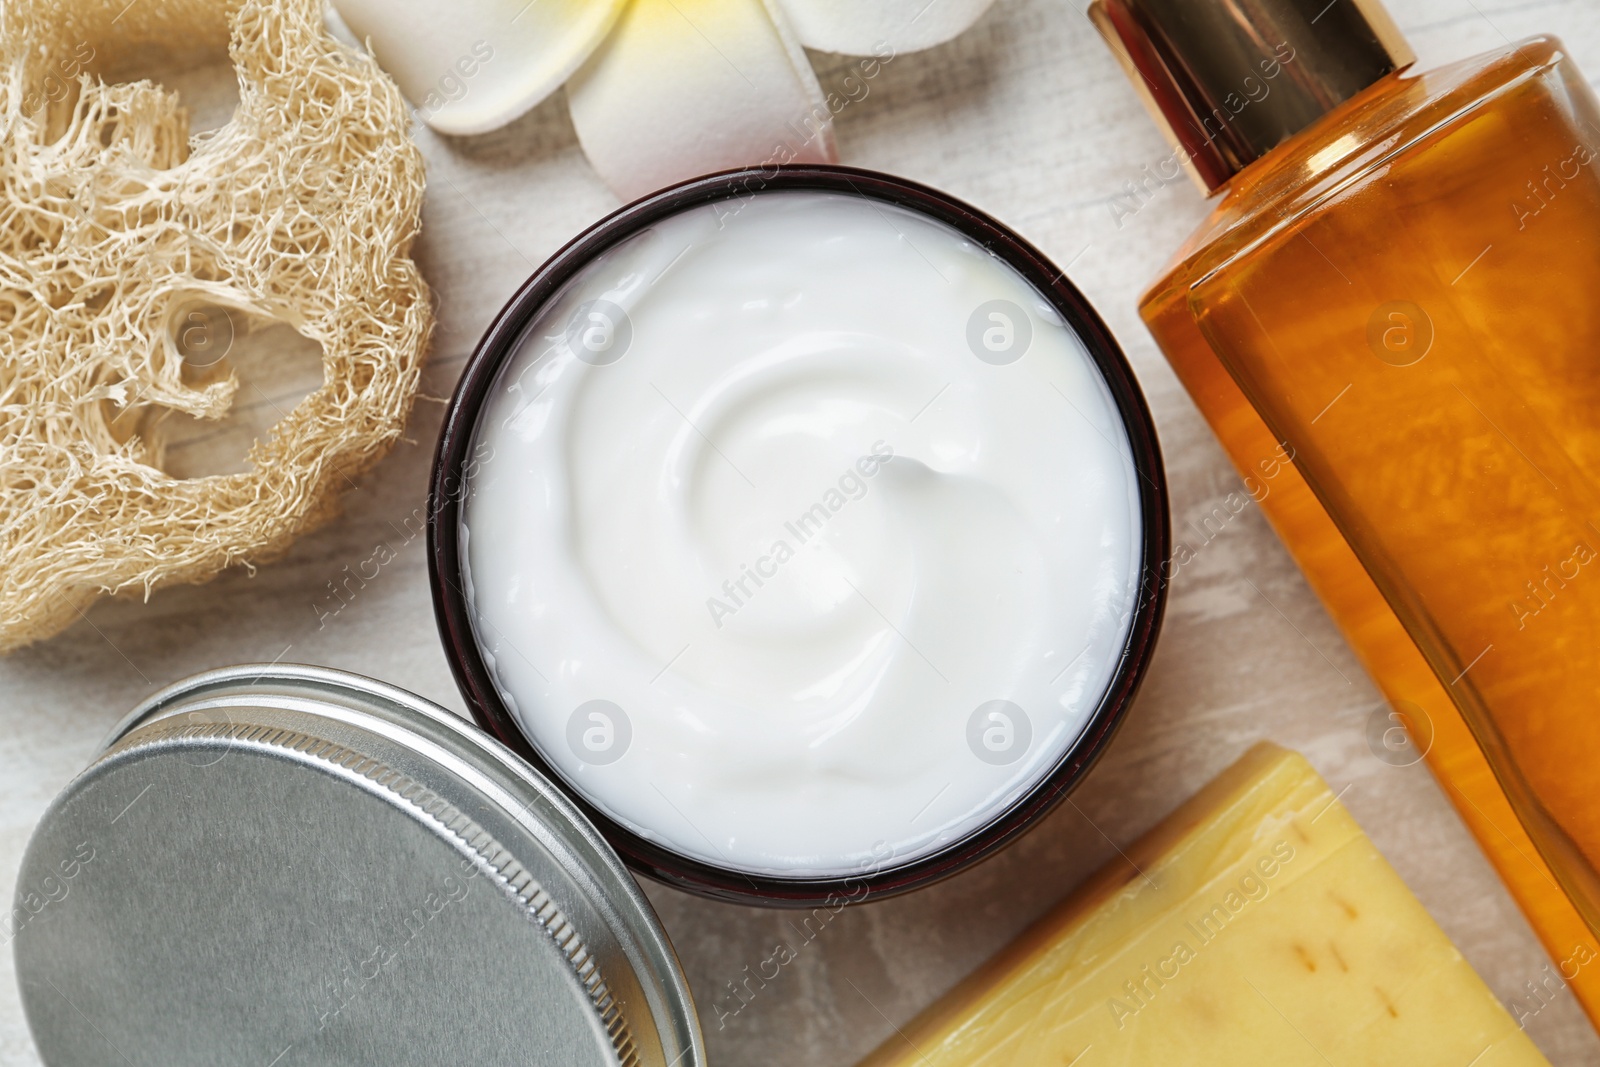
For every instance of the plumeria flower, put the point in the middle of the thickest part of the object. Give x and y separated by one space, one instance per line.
659 90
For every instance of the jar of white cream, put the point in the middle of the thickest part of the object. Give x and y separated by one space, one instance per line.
806 524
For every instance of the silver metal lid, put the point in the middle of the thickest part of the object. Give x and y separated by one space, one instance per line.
291 866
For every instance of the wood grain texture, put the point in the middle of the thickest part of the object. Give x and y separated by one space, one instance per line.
1028 117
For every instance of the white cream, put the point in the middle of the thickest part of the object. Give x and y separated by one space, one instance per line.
695 524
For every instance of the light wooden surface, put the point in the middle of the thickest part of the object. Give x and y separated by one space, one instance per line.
1027 117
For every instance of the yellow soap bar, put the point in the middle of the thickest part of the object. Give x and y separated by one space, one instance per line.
1256 925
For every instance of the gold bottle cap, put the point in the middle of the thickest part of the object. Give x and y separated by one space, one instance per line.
1230 80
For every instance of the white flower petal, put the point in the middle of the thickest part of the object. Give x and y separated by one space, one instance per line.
879 27
472 65
684 87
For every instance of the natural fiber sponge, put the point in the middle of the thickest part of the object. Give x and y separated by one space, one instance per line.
113 221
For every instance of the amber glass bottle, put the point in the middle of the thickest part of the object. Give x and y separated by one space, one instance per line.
1398 285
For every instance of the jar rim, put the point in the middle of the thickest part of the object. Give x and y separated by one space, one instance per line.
501 340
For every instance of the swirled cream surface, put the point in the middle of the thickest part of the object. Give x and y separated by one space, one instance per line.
801 535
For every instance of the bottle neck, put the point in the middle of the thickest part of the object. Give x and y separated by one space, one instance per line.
1230 80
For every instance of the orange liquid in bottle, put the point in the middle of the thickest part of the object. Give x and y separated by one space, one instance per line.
1404 296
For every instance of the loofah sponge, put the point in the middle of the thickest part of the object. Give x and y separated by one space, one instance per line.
113 221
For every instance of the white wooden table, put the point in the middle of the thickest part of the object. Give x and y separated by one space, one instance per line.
1028 117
